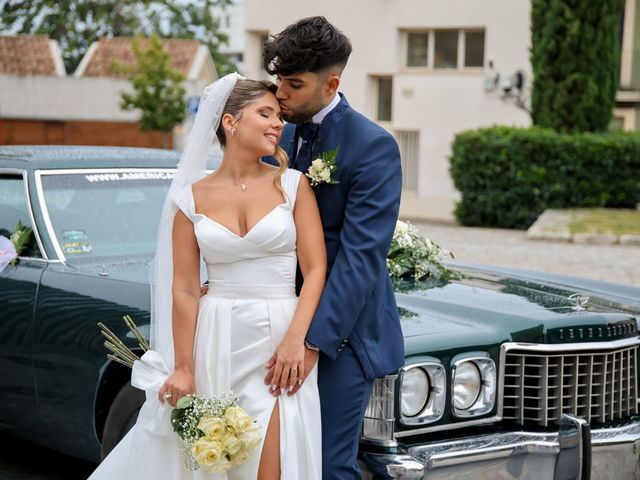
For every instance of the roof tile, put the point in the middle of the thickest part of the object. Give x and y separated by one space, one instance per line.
26 55
182 53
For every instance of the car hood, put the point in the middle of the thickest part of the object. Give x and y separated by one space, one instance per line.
488 308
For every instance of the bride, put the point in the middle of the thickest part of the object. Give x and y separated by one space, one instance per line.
251 222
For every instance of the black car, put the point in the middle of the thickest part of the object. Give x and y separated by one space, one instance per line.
508 374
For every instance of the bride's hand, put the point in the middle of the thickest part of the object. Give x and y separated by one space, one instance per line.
179 384
288 370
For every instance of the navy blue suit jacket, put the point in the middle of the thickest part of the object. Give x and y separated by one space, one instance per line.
358 216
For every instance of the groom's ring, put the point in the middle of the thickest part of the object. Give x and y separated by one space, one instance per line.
167 395
294 370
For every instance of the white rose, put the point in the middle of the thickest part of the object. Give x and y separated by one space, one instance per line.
232 444
207 453
250 439
325 175
237 419
318 164
213 427
240 457
401 228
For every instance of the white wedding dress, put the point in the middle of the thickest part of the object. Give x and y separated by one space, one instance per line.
241 321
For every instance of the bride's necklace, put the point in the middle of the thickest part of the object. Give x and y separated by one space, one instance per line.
243 185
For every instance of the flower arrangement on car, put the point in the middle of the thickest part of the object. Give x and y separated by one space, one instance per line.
17 243
414 257
217 434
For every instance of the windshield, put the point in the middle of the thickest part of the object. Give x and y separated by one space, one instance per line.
106 213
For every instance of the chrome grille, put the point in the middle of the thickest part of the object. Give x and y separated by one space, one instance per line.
599 385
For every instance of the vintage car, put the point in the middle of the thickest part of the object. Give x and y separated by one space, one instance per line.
508 374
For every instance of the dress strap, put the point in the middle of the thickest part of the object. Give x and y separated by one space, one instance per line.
184 201
290 180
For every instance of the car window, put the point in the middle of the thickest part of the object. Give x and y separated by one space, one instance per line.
14 208
109 213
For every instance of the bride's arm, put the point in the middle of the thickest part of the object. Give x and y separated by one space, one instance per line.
312 257
186 293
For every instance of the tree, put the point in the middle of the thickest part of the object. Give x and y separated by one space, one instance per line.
159 94
575 58
75 24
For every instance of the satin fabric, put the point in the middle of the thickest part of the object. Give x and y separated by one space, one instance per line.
241 321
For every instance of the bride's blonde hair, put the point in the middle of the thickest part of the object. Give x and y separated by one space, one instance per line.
242 94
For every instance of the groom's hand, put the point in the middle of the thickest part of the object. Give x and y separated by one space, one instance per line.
204 289
310 360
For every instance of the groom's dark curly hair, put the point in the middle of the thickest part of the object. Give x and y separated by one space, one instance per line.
309 45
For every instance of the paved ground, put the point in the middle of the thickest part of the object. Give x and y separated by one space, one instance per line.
510 248
614 263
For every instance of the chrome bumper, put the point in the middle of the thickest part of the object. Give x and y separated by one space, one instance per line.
574 452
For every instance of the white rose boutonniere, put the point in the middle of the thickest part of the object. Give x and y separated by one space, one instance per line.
322 167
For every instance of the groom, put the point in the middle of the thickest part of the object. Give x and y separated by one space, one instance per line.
355 335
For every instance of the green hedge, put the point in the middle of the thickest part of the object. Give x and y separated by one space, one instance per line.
509 176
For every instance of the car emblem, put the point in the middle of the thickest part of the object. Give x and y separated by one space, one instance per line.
578 301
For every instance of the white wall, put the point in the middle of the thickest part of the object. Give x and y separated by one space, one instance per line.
232 25
69 98
435 103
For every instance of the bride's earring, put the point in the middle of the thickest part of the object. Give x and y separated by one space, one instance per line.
233 131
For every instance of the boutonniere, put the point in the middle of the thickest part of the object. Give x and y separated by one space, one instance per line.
322 167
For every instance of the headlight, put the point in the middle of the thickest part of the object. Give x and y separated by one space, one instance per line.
474 386
415 391
466 385
422 392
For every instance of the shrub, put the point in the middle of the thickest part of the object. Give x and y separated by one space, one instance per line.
509 176
575 60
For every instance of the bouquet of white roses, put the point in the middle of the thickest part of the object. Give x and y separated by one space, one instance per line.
412 256
217 434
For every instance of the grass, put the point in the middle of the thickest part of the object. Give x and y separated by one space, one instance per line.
615 221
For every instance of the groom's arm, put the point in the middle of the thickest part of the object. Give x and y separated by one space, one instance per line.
371 212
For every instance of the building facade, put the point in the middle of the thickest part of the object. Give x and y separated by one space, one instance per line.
428 69
232 25
41 105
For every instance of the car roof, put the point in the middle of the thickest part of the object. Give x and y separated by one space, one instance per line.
59 157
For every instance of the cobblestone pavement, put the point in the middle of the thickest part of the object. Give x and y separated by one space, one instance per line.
511 248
